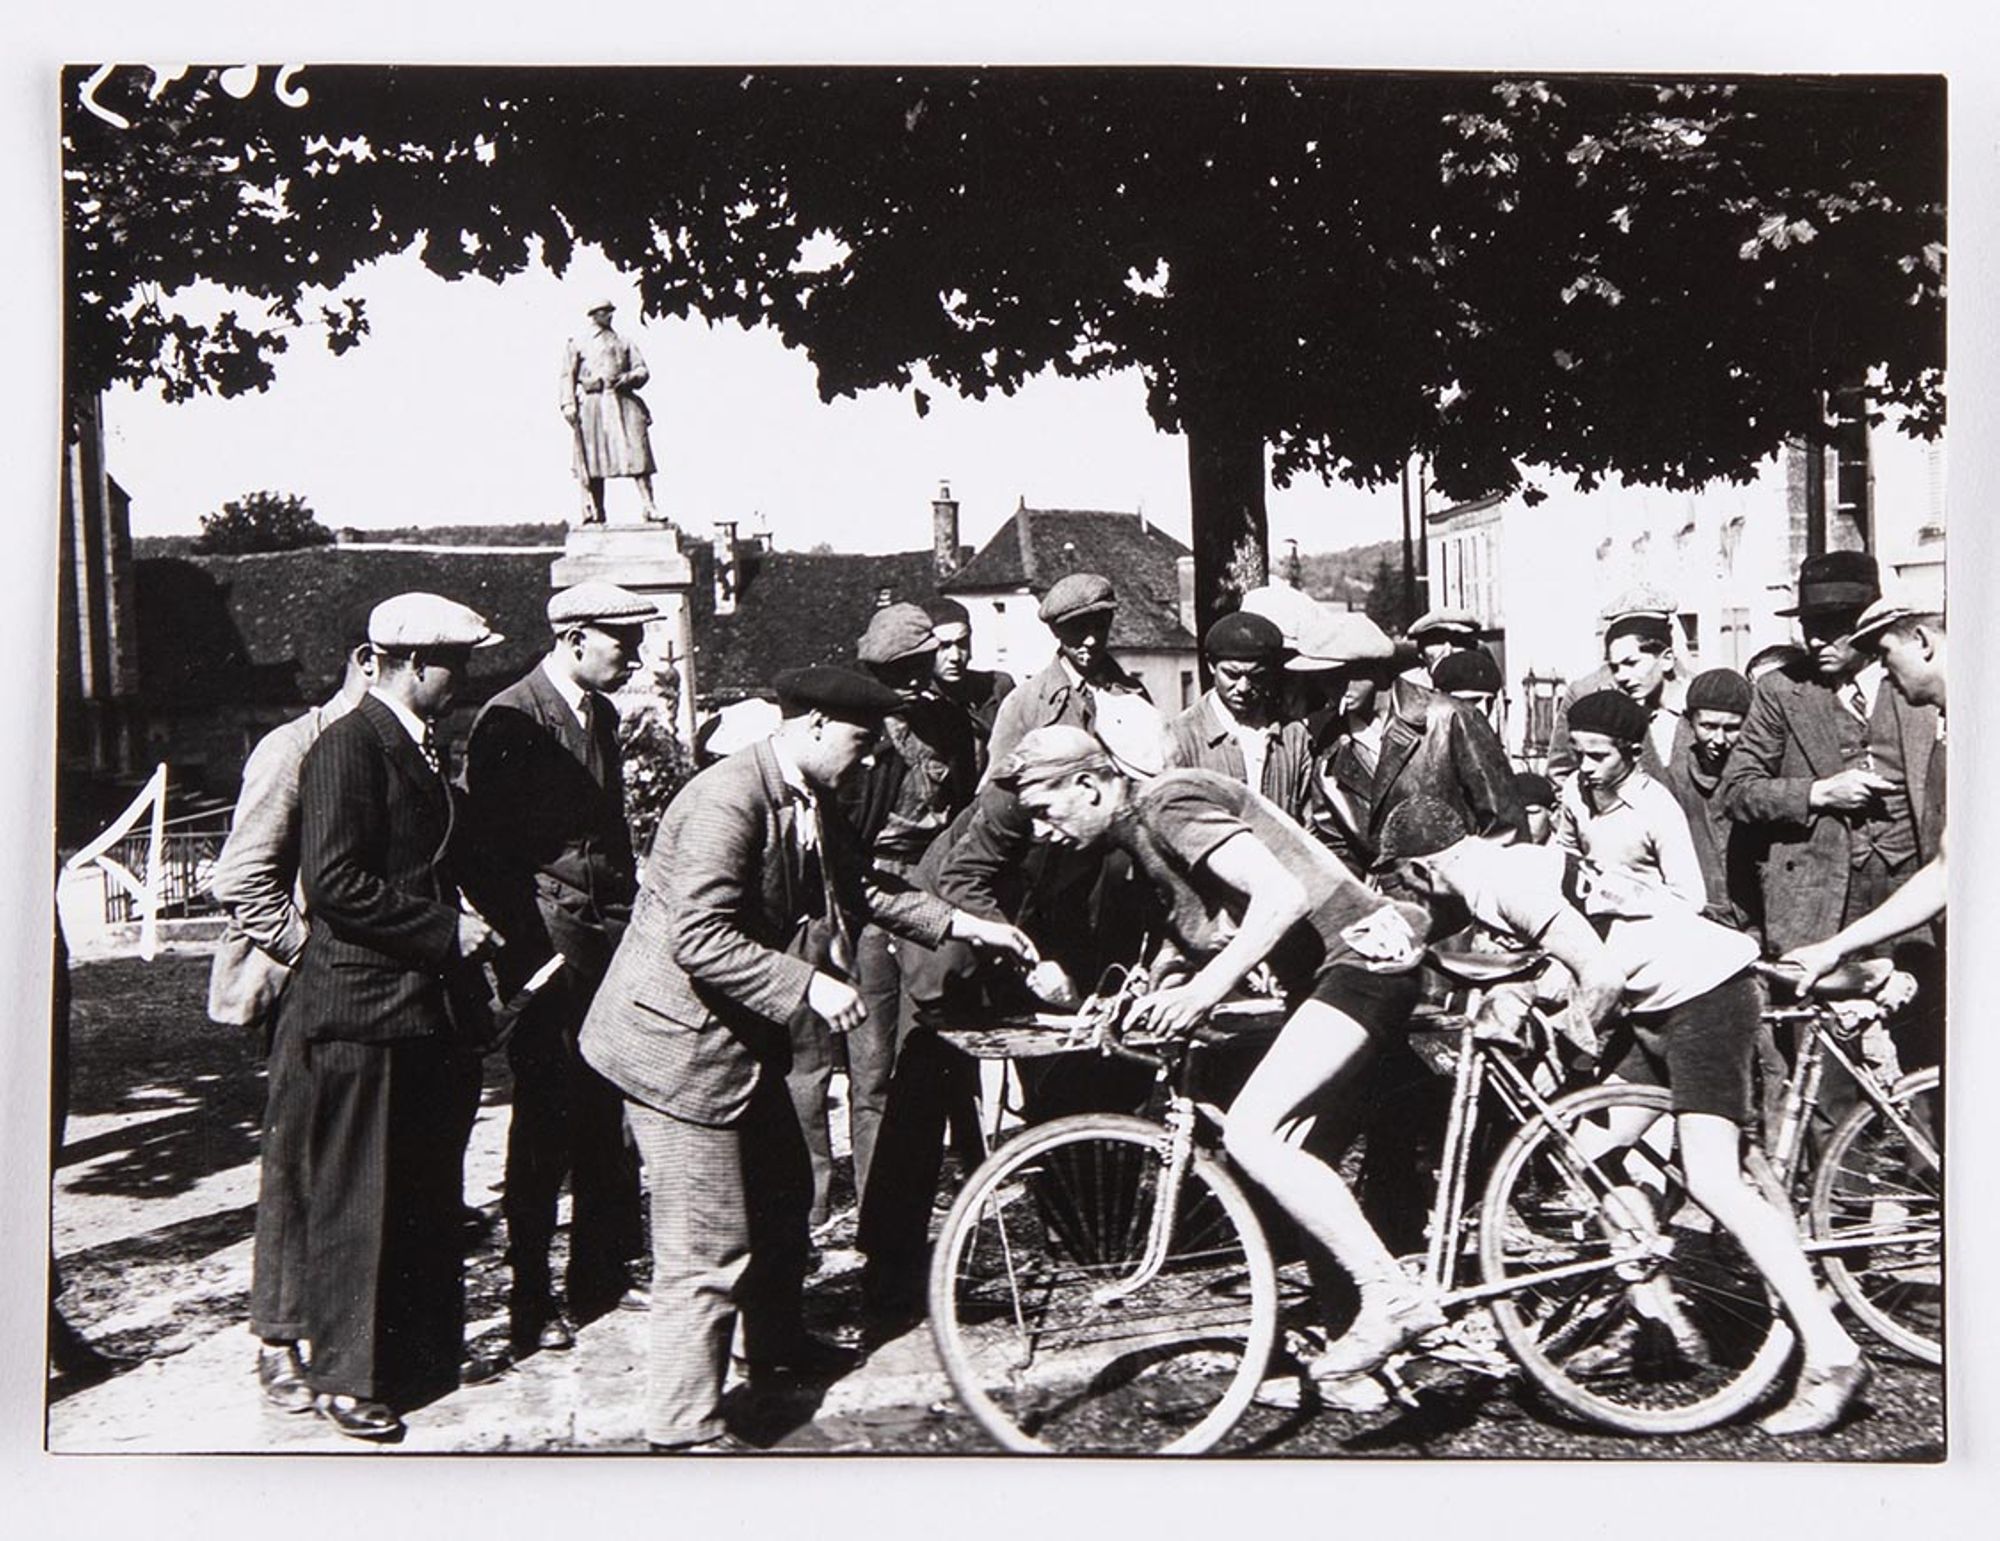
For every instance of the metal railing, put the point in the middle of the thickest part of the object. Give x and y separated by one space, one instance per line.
188 857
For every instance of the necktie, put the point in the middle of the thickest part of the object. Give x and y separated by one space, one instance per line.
1850 697
593 751
430 748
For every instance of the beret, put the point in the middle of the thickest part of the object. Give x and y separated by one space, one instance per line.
1077 594
1647 627
1337 637
844 693
1243 636
1469 668
1719 690
1612 713
1535 791
946 611
1049 754
896 632
1446 618
597 600
1420 826
1836 580
1289 609
428 620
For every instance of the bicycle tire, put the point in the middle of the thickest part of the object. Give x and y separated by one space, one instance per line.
1034 1351
1682 1338
1896 1291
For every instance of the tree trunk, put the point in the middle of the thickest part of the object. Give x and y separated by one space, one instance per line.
1232 540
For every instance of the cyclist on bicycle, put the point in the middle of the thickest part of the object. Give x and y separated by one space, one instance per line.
1692 1010
1243 885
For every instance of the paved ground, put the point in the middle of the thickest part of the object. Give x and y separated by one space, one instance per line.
153 1212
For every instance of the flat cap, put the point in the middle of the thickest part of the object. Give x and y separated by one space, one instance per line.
1642 600
597 601
1078 594
1875 620
1244 636
1336 638
896 632
1612 713
1719 690
1470 668
1446 618
1290 610
844 693
428 620
1049 754
1836 580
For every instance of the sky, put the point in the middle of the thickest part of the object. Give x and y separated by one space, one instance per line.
447 414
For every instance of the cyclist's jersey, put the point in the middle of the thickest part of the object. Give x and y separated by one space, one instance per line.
1668 957
1175 820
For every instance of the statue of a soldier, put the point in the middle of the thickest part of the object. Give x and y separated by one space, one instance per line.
601 376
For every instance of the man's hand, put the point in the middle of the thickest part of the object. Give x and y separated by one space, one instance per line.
475 936
569 415
1813 961
1172 1010
995 935
835 1002
1852 791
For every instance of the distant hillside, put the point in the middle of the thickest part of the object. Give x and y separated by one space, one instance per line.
1344 577
550 534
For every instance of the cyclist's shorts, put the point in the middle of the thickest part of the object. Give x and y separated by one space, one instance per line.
1700 1050
1381 1003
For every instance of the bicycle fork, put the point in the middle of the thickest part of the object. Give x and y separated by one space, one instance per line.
1166 1200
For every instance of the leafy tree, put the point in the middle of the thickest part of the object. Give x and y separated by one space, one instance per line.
261 521
1316 273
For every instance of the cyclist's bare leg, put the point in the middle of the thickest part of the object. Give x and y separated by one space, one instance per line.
1711 1156
1319 1048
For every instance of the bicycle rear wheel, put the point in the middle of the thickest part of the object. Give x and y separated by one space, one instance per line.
1046 1338
1627 1304
1878 1217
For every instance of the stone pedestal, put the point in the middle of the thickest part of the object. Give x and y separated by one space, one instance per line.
647 560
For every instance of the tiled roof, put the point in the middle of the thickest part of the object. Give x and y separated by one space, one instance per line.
792 608
1036 546
265 629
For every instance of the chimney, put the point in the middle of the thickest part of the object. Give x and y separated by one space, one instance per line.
725 567
944 530
1184 570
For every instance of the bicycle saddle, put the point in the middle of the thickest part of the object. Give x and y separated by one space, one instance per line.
1856 980
1484 968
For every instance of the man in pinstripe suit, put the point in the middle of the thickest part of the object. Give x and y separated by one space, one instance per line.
743 921
387 1003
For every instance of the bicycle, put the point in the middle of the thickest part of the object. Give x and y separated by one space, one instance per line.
1102 1283
1873 1198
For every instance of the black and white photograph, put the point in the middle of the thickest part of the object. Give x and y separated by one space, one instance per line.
767 760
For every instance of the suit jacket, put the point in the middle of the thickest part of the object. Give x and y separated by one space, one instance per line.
554 833
699 999
1790 739
257 873
1047 700
381 960
1198 739
1433 745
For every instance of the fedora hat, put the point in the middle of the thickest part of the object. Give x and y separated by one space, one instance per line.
1836 580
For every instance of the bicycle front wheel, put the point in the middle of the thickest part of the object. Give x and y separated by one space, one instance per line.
1626 1302
1878 1216
1063 1324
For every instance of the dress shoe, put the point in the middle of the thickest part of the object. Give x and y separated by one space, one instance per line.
358 1417
282 1376
809 1358
1819 1399
637 1297
481 1369
724 1443
553 1333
